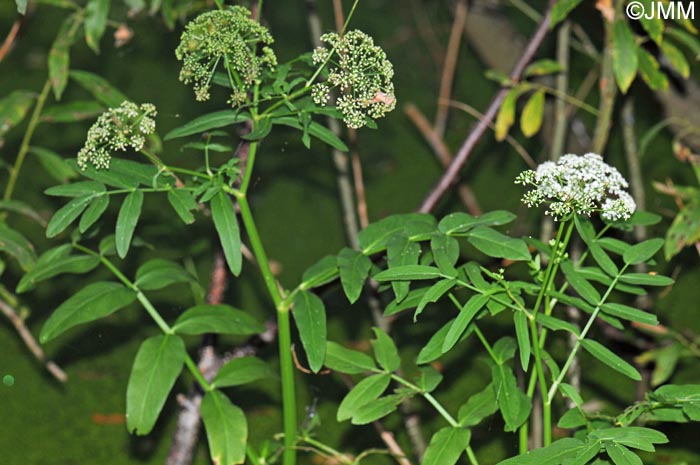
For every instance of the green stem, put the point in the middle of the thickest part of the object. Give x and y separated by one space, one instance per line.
150 309
171 169
548 271
332 453
252 151
582 336
24 147
284 336
439 408
538 340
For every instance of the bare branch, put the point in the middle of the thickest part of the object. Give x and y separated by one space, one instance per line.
451 174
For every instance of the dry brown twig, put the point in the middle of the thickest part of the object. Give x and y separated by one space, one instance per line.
30 342
442 152
448 70
10 39
450 176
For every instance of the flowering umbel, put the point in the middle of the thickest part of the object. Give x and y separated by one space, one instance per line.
578 184
361 72
115 130
229 38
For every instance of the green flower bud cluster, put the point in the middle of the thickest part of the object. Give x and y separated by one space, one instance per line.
578 184
229 37
363 74
116 130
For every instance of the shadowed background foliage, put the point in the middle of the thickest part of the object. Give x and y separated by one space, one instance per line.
295 199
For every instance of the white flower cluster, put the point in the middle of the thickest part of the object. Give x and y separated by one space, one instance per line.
578 184
116 129
363 74
230 38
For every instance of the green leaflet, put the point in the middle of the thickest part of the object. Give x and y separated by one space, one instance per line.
102 90
219 319
315 129
433 294
376 409
240 371
93 212
523 338
637 437
125 174
226 427
654 26
433 349
15 244
579 283
183 203
412 300
400 251
445 253
24 209
629 313
605 262
543 67
621 455
53 164
66 215
90 303
13 109
54 262
479 406
322 272
354 268
646 279
375 237
346 360
226 224
531 117
385 351
310 318
159 273
640 253
59 55
611 359
129 214
624 55
157 365
410 273
446 446
556 324
512 402
572 419
649 70
215 120
506 114
494 244
561 9
72 111
364 392
554 454
466 315
96 12
676 58
684 231
77 189
459 222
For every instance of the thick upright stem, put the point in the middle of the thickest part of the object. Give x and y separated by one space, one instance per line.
283 324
